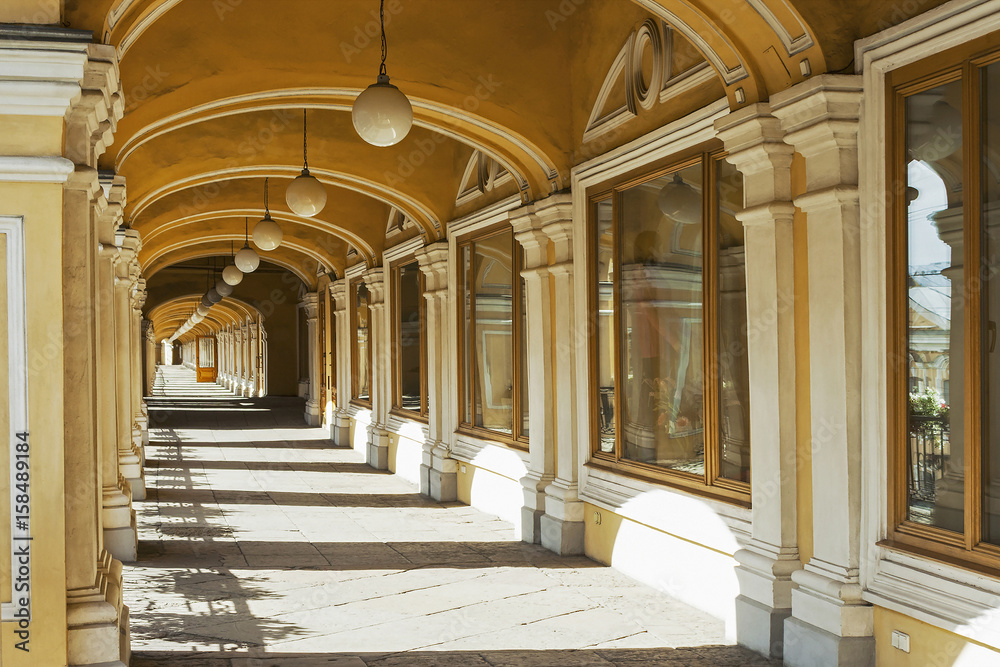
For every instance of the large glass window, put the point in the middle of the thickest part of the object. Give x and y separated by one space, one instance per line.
408 349
944 305
361 359
492 336
668 304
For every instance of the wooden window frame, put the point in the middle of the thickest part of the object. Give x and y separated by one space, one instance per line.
966 550
518 439
710 484
353 296
397 371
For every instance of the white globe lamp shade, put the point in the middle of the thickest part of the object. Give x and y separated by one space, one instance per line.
223 288
213 296
232 275
306 196
201 310
267 234
680 202
382 115
197 318
247 260
206 302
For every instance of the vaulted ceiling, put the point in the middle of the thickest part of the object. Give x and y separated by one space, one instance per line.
214 93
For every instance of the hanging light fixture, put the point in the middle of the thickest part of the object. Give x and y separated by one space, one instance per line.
232 274
680 202
382 115
306 196
246 259
267 234
223 288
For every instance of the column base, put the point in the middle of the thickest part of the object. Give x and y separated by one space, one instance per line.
378 448
809 646
93 633
123 543
563 537
534 506
441 486
340 431
312 413
760 628
138 487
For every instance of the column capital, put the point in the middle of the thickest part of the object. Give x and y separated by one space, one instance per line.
755 142
433 261
375 280
338 292
310 304
820 118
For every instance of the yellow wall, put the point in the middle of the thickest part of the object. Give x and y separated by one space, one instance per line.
803 418
31 11
930 646
41 206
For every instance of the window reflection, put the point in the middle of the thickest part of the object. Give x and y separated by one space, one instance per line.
604 335
991 302
409 327
661 323
935 331
362 358
493 380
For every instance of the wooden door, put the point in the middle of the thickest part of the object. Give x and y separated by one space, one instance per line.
206 358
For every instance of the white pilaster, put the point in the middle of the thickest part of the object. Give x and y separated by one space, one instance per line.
340 429
310 306
378 436
753 138
830 624
438 471
538 347
129 454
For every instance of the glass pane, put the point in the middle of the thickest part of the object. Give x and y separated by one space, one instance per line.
661 324
467 344
494 360
410 331
604 336
935 241
363 376
734 371
991 302
206 352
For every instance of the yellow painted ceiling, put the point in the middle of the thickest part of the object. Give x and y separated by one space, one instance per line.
214 92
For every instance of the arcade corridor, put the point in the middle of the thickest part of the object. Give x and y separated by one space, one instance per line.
258 536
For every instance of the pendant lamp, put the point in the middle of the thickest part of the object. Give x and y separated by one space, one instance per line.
382 114
306 196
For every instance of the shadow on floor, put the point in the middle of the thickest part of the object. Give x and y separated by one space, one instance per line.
707 656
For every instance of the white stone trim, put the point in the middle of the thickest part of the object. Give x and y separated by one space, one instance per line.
949 597
40 81
17 360
492 456
34 169
402 250
793 45
484 217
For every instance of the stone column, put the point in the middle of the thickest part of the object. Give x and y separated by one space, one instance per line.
310 306
538 347
753 138
118 517
149 336
139 410
129 455
378 437
830 624
438 471
563 522
340 428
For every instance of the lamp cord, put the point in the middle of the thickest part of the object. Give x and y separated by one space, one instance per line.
385 48
246 232
267 211
305 155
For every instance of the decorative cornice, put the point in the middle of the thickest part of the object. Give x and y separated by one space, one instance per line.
34 169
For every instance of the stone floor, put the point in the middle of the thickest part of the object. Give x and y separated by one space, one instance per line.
261 545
